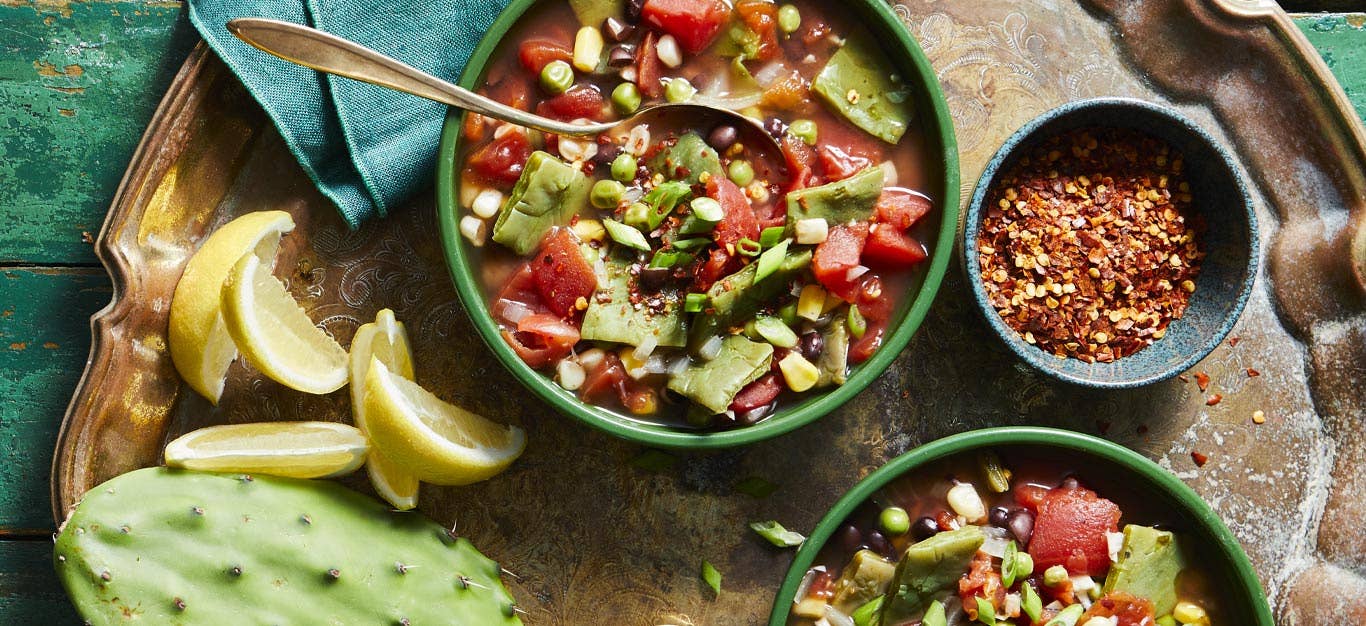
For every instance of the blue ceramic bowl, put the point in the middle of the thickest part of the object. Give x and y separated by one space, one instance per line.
1231 243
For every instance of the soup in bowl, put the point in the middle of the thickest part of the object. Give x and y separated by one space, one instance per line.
675 281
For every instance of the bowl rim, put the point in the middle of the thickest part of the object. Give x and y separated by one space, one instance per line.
1036 357
936 118
1160 479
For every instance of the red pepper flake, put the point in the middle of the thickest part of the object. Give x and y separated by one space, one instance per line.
1200 459
1233 341
86 237
1251 373
1088 248
1202 381
1213 400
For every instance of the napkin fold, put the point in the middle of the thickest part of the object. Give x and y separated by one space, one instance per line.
367 148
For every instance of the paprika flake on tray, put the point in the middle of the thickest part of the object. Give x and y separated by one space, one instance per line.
1089 247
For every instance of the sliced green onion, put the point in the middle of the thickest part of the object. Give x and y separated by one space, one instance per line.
776 534
804 130
625 235
694 302
707 210
690 244
663 199
1008 565
857 325
712 577
774 331
986 613
771 236
1030 602
998 477
934 615
866 615
770 261
670 258
1068 616
756 487
748 247
637 215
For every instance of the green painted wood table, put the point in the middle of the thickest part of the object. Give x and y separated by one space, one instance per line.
78 83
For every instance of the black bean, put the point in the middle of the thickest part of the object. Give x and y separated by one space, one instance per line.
850 538
621 56
1070 483
877 543
652 279
633 8
998 516
1021 524
812 345
924 528
607 152
723 137
776 127
617 30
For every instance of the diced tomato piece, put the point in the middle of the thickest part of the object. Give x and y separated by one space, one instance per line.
1128 609
694 23
1070 528
841 163
535 54
542 339
521 289
801 161
981 581
888 248
606 378
712 269
757 394
863 349
761 17
500 161
787 93
822 586
838 254
648 69
1029 495
738 220
562 274
579 102
901 208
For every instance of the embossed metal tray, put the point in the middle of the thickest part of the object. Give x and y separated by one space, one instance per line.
592 536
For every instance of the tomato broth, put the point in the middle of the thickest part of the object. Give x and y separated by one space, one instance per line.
701 300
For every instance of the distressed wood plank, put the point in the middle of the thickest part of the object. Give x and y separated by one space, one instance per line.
44 342
1341 40
29 590
78 83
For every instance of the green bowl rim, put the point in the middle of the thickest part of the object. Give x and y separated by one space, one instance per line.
1164 481
640 431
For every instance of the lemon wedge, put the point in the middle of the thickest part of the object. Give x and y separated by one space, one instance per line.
438 442
200 345
384 339
275 334
295 449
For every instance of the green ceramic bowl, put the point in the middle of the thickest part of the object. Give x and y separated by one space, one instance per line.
941 147
1107 465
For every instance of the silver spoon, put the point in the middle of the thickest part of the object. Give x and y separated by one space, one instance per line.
331 54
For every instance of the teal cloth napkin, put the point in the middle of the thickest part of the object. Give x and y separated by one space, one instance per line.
367 148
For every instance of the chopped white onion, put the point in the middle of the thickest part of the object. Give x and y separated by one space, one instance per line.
513 312
474 229
637 373
732 103
1011 607
569 374
657 364
889 174
633 194
855 272
669 52
836 618
628 73
805 585
964 500
770 73
646 348
487 203
812 230
638 141
996 542
505 128
1115 542
679 365
710 348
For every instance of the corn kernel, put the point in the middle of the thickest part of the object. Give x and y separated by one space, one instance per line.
799 373
587 49
811 302
589 230
1190 613
629 360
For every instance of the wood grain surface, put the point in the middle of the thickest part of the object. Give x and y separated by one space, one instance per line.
78 82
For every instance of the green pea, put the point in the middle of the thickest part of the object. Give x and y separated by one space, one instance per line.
789 18
637 215
606 194
804 130
740 172
894 521
624 168
679 90
626 98
557 77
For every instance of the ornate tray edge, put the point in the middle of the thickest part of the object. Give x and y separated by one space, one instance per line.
147 156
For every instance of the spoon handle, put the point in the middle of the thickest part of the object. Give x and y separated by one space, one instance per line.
328 53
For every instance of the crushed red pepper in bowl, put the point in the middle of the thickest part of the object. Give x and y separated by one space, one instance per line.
1089 247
